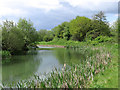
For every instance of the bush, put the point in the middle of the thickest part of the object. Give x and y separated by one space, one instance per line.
5 54
103 39
100 39
6 57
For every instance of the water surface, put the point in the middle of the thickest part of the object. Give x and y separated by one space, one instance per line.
39 62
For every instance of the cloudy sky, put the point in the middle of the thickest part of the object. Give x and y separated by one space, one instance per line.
46 14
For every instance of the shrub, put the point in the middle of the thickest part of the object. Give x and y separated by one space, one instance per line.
6 57
100 39
5 54
103 39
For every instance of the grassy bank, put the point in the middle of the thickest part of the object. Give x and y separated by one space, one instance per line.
100 69
63 42
108 78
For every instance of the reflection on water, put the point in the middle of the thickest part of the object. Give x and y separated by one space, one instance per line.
69 56
39 61
49 61
23 67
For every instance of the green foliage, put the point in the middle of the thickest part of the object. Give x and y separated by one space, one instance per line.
30 34
58 31
82 28
79 27
16 38
44 35
100 25
100 16
12 37
100 39
63 42
66 34
5 54
103 39
62 31
114 31
41 34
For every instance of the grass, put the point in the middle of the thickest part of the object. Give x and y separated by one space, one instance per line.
99 70
108 78
62 42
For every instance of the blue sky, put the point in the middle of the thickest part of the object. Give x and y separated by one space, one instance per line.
46 14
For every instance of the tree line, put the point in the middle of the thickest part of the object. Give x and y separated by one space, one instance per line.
20 36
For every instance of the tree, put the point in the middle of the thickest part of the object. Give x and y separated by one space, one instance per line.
12 37
62 31
48 36
100 17
45 35
66 34
17 37
114 30
58 31
79 27
30 34
99 26
41 34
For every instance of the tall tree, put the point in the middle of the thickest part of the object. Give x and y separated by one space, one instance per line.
62 31
66 33
79 27
30 34
12 37
100 25
100 17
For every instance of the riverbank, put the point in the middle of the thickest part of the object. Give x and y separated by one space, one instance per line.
63 43
100 69
106 79
59 46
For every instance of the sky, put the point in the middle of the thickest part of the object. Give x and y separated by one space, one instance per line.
46 14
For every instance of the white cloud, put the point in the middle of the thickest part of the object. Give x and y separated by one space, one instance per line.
45 4
9 7
57 10
117 15
88 2
10 11
91 4
17 6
